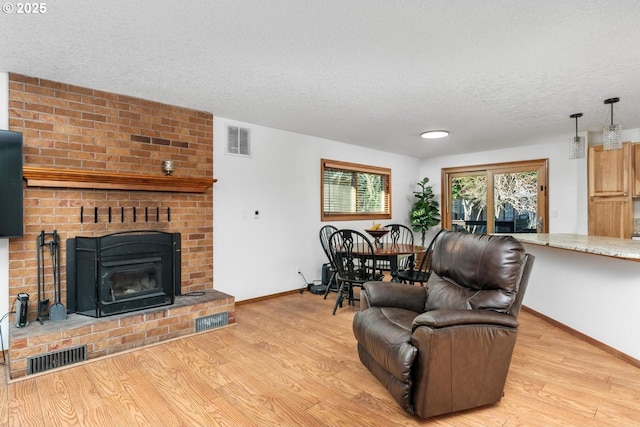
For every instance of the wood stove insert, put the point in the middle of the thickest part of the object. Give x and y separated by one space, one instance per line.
122 272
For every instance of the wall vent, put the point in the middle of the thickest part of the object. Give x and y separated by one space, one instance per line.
212 321
56 359
238 141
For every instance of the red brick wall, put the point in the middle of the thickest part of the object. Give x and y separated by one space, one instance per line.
66 126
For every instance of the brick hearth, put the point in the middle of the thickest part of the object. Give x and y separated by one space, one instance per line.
109 335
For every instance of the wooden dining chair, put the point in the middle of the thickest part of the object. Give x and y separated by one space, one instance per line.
398 234
325 233
422 273
355 261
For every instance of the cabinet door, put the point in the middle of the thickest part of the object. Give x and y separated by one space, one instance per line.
636 170
610 216
609 171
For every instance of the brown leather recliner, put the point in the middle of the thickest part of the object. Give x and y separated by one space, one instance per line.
447 347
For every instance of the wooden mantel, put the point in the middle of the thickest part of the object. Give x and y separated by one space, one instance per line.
73 178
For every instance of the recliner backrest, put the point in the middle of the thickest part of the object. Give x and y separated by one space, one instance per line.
472 271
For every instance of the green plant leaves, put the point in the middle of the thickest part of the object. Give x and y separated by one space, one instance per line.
425 212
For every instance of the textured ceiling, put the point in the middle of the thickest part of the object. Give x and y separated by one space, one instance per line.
496 73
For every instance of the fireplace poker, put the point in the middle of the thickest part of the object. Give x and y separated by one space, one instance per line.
57 311
43 304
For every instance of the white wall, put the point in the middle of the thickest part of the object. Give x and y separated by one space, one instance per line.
281 180
258 257
593 294
4 243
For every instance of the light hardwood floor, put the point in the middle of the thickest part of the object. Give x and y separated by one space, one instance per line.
289 362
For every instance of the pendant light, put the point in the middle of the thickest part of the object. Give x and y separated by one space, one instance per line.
611 138
576 147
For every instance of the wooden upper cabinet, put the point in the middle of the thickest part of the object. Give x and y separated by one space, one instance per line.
611 217
609 171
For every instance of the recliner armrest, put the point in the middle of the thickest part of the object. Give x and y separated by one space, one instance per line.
444 318
389 294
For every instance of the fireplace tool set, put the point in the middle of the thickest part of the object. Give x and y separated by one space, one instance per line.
49 247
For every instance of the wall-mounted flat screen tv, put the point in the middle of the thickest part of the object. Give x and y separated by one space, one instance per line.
11 187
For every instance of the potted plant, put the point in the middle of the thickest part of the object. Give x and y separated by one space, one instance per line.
425 211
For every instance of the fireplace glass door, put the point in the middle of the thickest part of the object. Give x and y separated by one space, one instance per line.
133 279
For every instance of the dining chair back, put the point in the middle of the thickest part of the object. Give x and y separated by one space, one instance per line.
325 233
423 272
355 262
398 234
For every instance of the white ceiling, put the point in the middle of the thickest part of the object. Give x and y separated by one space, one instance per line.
376 73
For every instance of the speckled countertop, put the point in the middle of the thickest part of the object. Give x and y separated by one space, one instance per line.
608 246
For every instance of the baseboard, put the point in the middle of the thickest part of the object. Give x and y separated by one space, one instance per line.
266 297
602 346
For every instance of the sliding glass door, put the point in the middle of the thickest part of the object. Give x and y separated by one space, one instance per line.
497 198
468 202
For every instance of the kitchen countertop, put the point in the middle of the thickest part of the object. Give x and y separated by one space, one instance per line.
607 246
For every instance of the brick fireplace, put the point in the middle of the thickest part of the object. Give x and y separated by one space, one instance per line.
76 131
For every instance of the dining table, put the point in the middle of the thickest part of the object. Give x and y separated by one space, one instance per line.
394 252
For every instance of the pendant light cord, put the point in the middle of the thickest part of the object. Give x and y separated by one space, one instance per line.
611 113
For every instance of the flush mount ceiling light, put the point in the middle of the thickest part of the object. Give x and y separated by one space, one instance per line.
611 138
576 147
434 134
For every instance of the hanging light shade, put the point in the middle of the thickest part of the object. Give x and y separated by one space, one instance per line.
576 147
611 138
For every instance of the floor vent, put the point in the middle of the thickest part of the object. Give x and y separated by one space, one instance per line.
56 359
212 321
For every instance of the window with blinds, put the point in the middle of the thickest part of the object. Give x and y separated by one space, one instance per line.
351 191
